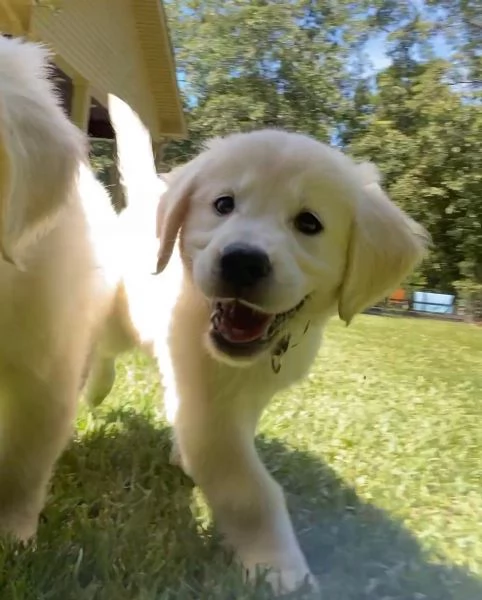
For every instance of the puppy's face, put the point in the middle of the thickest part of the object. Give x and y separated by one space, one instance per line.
268 220
266 226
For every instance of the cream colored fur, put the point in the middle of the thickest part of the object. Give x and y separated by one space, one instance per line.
213 401
57 279
61 295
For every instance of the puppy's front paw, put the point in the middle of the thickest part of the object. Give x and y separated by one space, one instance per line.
286 580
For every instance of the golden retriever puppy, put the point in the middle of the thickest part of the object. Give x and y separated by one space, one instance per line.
53 293
263 237
272 234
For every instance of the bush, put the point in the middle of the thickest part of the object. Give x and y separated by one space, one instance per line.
470 296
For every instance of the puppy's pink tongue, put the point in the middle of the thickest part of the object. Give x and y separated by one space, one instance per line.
240 323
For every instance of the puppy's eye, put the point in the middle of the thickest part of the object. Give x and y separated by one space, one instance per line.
308 223
224 205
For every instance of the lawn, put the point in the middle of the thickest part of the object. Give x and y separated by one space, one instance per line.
379 451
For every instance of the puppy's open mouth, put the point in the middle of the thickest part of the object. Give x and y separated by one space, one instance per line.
239 323
239 329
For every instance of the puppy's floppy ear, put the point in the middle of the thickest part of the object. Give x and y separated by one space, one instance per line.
174 203
172 209
385 245
40 149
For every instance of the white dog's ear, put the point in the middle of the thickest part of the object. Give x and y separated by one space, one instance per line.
385 245
172 210
40 150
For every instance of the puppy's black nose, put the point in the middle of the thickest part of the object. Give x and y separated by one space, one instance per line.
243 265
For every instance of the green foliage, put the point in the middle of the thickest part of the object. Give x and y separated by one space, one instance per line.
428 143
102 159
300 65
250 64
461 23
470 295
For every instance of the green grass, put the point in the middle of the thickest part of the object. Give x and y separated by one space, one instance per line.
379 451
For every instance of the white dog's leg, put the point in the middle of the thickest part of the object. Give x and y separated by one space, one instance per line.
218 452
35 424
171 403
100 380
170 400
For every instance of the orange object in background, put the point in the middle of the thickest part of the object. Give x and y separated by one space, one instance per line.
398 296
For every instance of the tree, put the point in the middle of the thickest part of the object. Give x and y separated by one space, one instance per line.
255 63
300 65
423 127
460 23
428 144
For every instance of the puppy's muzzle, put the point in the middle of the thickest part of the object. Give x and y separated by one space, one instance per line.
243 266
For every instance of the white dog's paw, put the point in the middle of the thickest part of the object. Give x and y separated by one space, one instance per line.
20 526
286 580
291 580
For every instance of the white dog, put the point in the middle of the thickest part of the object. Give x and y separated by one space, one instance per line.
55 221
272 234
277 233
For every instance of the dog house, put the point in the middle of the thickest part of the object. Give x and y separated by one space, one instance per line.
104 47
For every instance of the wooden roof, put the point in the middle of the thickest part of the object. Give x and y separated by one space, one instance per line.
88 37
154 37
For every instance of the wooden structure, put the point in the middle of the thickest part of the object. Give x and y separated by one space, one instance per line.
105 48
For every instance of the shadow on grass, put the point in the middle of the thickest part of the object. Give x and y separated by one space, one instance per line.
357 551
119 526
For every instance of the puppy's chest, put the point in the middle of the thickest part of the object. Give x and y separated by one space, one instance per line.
289 361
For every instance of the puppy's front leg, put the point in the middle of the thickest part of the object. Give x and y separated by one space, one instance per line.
35 424
218 452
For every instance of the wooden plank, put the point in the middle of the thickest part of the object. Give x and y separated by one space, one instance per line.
15 17
79 112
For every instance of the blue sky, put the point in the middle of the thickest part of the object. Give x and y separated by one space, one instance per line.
376 49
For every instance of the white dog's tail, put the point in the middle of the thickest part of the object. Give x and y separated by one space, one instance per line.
142 187
135 161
